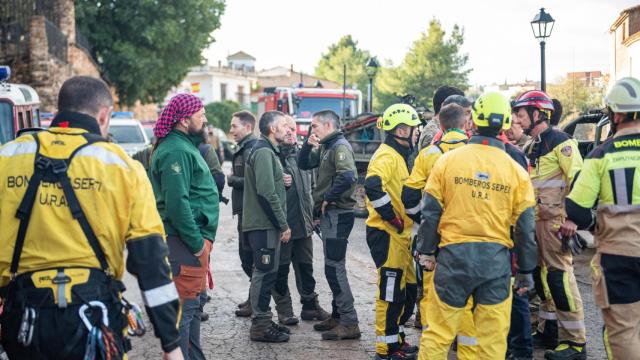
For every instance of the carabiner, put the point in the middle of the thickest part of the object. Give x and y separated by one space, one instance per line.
93 304
25 333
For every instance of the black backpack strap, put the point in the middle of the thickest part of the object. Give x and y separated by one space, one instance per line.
55 170
258 144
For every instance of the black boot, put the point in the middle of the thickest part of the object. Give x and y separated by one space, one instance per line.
268 334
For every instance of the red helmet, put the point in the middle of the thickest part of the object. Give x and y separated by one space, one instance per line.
534 98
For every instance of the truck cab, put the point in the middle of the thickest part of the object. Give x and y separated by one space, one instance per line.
19 107
302 102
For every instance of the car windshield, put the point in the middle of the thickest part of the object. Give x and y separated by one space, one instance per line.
6 123
126 134
306 106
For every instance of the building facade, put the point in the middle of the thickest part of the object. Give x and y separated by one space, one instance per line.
625 35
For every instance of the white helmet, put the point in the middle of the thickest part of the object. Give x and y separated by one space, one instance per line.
624 96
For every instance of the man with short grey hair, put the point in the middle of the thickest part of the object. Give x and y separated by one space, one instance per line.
327 150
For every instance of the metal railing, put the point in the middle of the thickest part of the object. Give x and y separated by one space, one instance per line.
57 41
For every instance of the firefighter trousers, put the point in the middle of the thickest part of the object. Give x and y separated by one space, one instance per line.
557 287
335 226
467 341
396 294
616 290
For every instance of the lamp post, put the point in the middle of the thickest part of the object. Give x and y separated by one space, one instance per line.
542 25
372 68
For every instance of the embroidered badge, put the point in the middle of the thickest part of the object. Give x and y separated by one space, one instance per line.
566 151
341 156
176 168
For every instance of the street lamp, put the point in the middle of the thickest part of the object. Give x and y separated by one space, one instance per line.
372 68
542 25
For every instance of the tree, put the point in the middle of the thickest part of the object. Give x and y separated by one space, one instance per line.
147 47
432 61
346 51
387 87
575 95
219 113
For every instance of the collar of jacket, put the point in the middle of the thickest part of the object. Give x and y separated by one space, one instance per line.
275 148
484 140
193 139
402 150
286 150
70 119
454 130
329 139
246 139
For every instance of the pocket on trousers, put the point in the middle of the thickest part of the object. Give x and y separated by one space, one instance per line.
599 284
189 281
378 242
390 281
336 249
548 206
264 259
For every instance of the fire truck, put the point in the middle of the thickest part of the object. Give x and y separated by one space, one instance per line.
302 102
19 107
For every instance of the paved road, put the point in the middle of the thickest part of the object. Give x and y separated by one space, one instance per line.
225 336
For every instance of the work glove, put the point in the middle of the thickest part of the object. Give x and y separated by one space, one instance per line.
397 223
427 262
574 243
523 281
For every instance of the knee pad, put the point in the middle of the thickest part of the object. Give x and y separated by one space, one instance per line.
336 249
263 259
560 291
389 288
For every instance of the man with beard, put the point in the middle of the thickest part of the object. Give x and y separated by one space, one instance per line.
187 200
299 250
265 226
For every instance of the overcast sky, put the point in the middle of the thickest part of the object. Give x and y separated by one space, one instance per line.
498 36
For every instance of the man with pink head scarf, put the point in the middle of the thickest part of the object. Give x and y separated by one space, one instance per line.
187 200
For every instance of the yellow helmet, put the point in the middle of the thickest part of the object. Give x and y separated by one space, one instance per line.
492 110
397 114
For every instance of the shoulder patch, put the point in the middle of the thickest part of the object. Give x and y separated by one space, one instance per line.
176 168
341 156
566 151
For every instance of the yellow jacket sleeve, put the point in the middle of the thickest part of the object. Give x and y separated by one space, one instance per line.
569 159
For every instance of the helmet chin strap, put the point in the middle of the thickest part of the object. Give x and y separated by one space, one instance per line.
533 124
407 139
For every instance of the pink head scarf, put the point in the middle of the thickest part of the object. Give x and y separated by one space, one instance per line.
179 107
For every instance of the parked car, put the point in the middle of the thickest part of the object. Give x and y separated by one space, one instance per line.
148 126
129 134
590 130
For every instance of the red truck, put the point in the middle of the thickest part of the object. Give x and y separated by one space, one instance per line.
301 103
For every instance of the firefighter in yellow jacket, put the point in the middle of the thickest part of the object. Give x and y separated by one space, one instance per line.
555 160
389 232
610 179
452 120
70 204
473 196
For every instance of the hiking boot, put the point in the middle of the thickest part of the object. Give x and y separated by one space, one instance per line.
312 310
342 332
567 352
280 328
326 325
409 349
268 334
542 341
244 304
398 355
288 319
244 311
204 317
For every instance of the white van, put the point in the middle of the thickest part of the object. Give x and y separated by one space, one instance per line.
129 134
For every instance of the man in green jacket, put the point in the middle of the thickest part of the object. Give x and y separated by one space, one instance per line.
265 226
187 200
299 250
328 150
